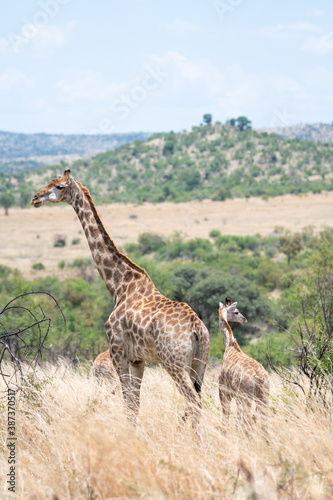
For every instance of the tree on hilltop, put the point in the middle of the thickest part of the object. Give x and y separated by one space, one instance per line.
242 123
207 119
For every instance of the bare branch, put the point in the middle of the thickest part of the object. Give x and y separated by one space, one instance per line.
24 339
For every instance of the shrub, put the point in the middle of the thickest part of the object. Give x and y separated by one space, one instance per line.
38 266
312 330
59 240
150 242
169 148
75 241
214 233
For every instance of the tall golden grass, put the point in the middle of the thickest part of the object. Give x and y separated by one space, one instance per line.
74 442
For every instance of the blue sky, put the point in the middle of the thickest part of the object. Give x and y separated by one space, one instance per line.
77 66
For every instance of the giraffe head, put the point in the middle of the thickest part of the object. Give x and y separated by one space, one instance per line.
56 191
229 312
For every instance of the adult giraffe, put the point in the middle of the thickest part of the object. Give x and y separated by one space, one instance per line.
144 326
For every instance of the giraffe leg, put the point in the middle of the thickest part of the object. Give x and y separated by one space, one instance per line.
137 369
197 372
244 403
122 369
262 411
225 399
186 388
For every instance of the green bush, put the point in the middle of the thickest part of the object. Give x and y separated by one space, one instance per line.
60 243
150 242
38 266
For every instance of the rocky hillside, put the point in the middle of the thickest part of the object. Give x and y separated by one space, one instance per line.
322 132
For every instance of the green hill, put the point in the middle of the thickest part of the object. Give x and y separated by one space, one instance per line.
211 161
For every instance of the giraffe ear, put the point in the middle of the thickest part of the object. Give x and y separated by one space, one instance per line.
220 305
66 178
232 307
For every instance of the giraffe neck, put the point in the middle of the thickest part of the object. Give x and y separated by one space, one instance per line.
228 336
115 269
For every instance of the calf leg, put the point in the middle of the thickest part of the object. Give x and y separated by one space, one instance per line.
225 399
244 420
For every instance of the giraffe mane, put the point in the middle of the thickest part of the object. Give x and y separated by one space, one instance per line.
93 207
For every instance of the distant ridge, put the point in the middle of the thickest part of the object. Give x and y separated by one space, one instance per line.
317 132
15 145
20 152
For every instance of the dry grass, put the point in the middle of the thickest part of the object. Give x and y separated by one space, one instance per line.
74 442
28 234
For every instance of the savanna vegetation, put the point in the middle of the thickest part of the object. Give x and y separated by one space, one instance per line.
267 276
73 441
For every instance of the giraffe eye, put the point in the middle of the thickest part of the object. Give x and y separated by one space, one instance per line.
60 186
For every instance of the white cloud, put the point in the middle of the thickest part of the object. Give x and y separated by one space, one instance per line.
319 45
40 40
49 38
315 13
250 93
319 78
187 86
184 72
311 35
11 78
51 35
289 31
179 26
92 86
4 46
197 83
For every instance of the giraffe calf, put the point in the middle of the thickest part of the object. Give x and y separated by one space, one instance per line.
103 369
241 377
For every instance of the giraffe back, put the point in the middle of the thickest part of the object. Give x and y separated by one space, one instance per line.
242 374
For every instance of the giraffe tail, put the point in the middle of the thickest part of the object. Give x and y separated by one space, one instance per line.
200 350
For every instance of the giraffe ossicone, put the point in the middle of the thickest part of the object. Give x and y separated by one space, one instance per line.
144 325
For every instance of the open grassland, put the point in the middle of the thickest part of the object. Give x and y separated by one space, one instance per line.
73 442
27 236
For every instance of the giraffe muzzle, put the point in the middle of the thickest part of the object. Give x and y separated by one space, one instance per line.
36 201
